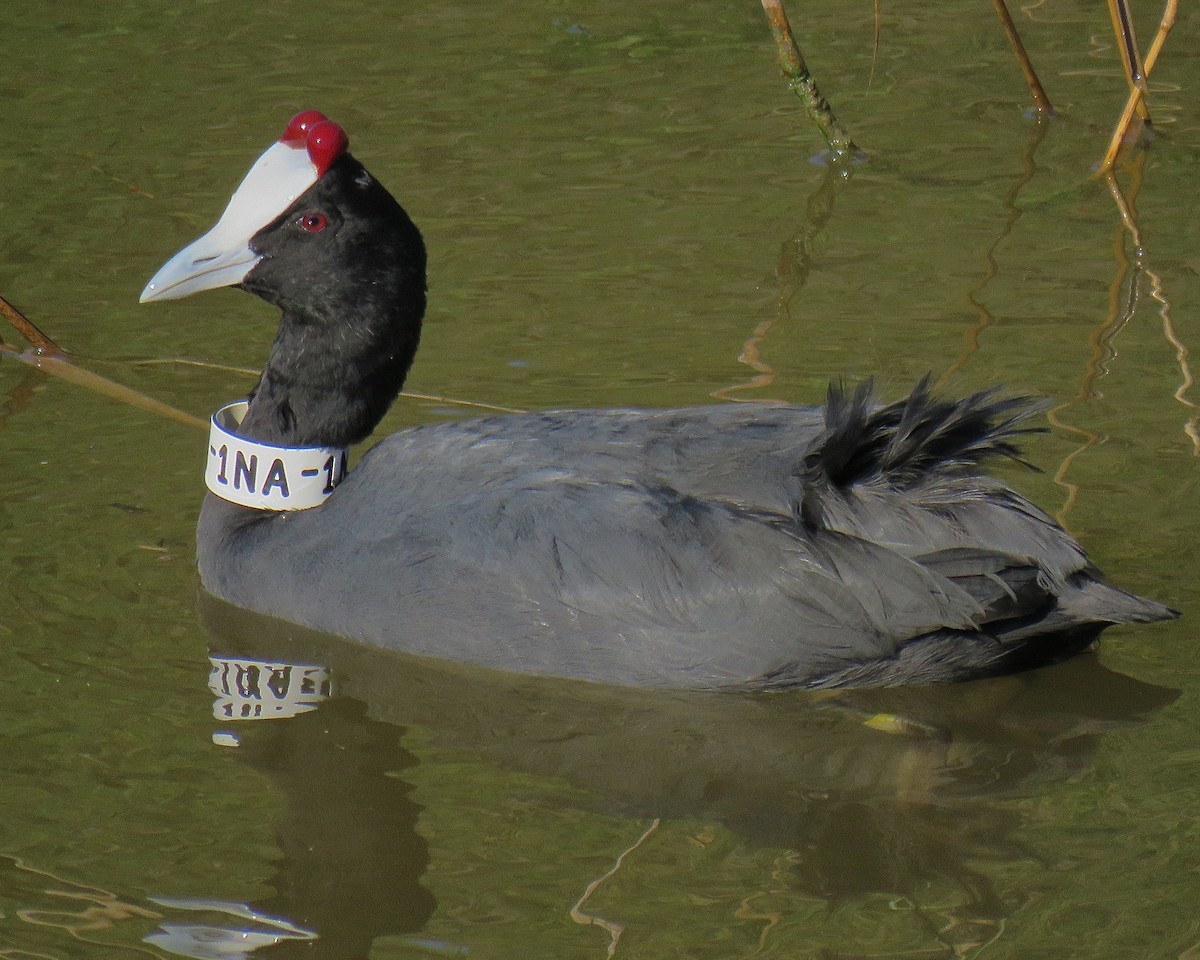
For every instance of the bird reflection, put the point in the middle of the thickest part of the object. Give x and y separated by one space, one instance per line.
893 791
351 859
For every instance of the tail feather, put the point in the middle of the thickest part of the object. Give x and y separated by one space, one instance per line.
915 439
906 478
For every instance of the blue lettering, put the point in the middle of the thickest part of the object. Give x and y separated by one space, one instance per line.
223 453
242 470
277 477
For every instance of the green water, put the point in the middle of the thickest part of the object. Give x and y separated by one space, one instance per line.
620 209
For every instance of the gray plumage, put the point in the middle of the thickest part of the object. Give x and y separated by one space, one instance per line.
743 546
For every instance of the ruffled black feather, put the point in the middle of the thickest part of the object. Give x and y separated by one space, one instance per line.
914 440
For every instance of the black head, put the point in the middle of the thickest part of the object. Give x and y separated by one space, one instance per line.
312 232
344 254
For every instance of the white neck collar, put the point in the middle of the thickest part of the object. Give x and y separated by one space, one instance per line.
265 476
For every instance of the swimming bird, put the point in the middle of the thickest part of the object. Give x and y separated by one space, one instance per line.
737 546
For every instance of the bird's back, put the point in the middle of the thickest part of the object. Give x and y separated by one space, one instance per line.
708 547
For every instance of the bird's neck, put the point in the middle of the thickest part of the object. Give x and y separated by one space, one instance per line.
329 384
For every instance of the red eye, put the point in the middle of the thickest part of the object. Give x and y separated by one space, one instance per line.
312 222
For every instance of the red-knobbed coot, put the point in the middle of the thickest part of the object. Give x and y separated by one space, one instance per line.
738 546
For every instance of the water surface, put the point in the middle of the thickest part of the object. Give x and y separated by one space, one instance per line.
621 209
